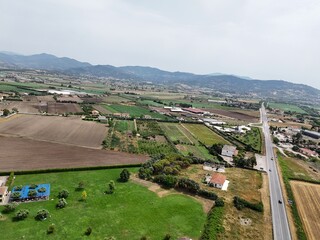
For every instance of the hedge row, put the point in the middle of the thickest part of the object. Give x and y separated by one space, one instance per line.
241 203
214 224
53 170
170 181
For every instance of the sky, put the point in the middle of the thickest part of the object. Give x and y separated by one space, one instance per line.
261 39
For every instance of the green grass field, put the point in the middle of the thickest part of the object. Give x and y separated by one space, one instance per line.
124 125
175 132
130 213
286 107
252 138
204 134
134 111
178 134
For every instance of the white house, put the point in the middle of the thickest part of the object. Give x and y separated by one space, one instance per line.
229 150
3 193
215 180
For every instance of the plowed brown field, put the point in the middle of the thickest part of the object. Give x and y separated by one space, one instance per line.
68 130
307 197
19 154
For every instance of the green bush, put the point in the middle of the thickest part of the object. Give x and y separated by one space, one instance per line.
214 224
169 181
240 203
21 214
207 194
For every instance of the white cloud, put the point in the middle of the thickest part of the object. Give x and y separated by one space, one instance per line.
265 39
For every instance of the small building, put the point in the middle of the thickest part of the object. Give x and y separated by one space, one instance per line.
308 152
215 180
3 193
229 151
176 109
95 113
194 110
312 134
103 119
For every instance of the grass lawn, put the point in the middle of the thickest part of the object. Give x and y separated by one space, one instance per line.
134 111
286 107
130 213
204 134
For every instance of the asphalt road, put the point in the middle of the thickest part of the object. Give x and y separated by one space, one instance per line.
279 216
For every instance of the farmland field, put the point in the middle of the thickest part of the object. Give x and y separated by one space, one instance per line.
175 132
186 141
286 107
248 116
131 212
134 111
69 130
18 154
59 108
24 107
307 197
204 134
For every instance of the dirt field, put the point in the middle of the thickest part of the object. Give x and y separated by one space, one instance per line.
60 108
19 154
307 197
234 114
23 107
68 130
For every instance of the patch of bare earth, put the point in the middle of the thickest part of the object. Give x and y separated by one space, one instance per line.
67 130
19 154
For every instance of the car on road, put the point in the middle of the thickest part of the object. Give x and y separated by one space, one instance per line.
269 170
280 201
272 158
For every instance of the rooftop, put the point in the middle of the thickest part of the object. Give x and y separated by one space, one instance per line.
218 178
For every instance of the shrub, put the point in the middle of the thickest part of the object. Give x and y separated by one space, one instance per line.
62 203
32 193
51 228
188 184
10 180
167 237
21 214
10 208
18 188
33 186
240 203
81 185
169 181
42 215
207 194
42 190
16 195
124 175
111 187
219 202
88 231
63 194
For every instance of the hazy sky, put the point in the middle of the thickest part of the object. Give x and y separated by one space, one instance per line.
263 39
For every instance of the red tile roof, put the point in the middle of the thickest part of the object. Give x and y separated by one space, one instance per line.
218 178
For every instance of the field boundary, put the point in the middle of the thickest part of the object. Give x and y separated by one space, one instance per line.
54 170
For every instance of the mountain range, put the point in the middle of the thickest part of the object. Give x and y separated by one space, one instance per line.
223 83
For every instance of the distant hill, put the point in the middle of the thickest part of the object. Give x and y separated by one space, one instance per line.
222 83
39 61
